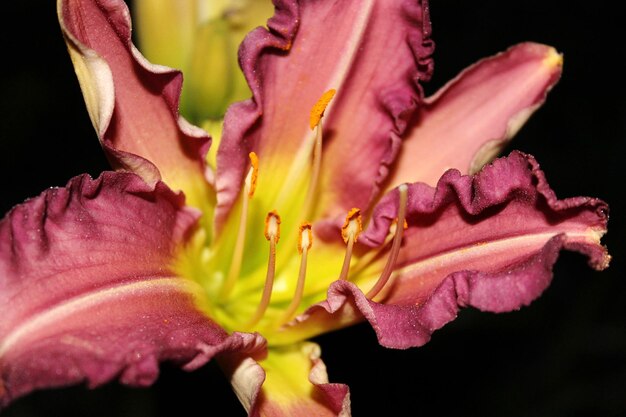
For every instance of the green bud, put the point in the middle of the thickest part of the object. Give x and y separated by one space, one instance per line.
201 38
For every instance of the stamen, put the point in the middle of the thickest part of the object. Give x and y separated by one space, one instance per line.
235 265
353 226
305 241
350 231
253 174
302 158
318 109
395 247
272 233
368 257
272 226
316 123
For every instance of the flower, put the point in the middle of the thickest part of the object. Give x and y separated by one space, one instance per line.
107 277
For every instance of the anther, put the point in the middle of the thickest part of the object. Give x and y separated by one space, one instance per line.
272 234
395 247
305 241
272 226
352 226
253 173
235 265
370 255
350 231
318 109
393 228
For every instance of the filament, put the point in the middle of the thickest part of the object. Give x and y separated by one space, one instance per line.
350 233
272 234
395 247
315 173
305 242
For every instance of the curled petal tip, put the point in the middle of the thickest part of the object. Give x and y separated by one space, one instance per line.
553 59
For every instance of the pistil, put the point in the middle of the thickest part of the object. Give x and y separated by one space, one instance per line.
350 231
235 265
272 234
305 241
395 247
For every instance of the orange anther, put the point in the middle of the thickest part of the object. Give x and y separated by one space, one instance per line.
272 226
253 173
353 225
305 239
318 109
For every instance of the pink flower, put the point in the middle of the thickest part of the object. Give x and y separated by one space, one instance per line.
172 258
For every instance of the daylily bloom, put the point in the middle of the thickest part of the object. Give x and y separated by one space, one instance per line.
331 202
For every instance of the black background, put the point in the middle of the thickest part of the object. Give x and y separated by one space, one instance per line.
565 355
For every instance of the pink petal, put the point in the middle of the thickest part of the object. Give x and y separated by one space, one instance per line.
290 381
487 241
313 47
87 293
472 118
132 103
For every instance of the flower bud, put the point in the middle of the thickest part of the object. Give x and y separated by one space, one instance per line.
201 38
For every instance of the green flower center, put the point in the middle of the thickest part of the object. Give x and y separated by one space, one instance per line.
257 281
